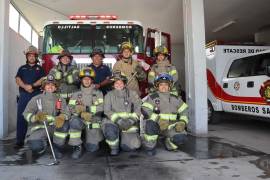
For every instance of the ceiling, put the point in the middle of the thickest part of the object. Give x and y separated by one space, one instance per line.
249 15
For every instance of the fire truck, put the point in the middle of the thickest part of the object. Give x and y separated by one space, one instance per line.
238 80
81 33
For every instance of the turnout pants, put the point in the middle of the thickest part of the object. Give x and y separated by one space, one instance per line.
173 139
128 140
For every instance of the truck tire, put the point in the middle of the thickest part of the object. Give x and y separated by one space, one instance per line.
214 117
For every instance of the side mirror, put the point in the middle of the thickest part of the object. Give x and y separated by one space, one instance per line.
268 71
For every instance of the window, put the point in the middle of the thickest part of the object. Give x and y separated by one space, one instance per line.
249 66
13 18
25 29
34 39
260 66
83 38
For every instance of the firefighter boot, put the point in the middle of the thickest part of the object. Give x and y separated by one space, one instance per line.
77 152
58 151
151 152
114 152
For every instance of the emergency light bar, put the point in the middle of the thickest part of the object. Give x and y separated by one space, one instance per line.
93 17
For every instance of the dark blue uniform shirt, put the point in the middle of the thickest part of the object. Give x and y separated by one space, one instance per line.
29 75
102 72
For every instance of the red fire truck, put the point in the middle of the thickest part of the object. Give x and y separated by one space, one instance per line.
82 33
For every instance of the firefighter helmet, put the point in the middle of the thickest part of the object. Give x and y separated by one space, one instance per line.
97 51
126 45
118 75
49 79
31 50
161 50
87 72
163 78
63 53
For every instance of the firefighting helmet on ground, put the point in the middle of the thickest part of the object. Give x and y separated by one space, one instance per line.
161 50
163 78
118 75
87 72
97 51
49 79
65 53
127 45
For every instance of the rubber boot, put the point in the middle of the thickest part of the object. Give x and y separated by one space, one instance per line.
114 152
151 152
57 152
77 152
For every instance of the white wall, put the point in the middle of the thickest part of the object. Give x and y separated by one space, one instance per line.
178 59
17 44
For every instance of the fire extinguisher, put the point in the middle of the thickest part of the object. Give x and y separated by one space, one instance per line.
58 106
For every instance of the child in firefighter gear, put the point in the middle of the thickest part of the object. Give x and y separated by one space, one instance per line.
162 65
86 107
165 114
66 74
44 107
122 110
131 68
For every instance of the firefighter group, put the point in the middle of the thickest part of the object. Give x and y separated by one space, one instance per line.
82 108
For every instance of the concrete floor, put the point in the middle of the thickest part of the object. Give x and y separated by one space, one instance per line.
235 149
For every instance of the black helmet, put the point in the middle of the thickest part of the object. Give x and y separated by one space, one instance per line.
118 75
65 53
49 79
97 51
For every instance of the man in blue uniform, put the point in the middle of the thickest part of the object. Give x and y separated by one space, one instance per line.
103 72
28 78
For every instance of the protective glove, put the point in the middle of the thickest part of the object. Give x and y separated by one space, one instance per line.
163 124
125 124
59 121
141 75
41 116
86 116
79 109
180 126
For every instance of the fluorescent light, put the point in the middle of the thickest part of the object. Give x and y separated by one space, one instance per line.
220 28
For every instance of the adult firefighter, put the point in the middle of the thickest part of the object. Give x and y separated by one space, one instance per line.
162 65
28 78
130 67
103 72
165 114
44 107
66 74
86 107
122 109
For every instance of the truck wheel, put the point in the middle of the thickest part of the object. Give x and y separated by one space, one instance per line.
213 116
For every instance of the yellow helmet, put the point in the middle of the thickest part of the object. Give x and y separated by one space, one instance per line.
87 72
126 45
161 50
